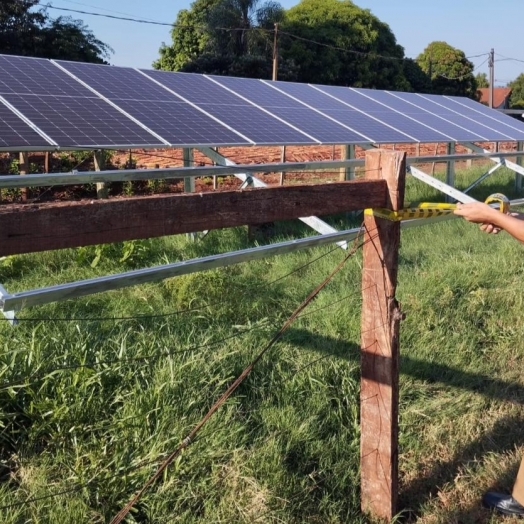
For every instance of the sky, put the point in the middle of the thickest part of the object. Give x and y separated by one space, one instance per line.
474 26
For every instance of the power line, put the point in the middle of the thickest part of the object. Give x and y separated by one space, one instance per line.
103 9
114 17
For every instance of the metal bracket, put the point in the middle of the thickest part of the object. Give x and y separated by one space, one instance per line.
9 315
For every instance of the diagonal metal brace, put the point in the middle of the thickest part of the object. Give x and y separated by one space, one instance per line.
252 181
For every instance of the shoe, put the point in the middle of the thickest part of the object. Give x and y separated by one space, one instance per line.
503 503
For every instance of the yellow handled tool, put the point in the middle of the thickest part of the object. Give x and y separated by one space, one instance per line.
433 209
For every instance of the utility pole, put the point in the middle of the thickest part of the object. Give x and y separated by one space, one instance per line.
275 53
491 65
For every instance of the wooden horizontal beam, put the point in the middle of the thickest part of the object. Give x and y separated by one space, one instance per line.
42 227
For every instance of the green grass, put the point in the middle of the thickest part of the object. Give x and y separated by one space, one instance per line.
88 409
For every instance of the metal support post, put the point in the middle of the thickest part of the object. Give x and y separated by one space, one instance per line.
450 167
23 168
518 178
102 191
189 183
347 153
282 160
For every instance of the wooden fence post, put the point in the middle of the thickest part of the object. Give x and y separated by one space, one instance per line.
380 343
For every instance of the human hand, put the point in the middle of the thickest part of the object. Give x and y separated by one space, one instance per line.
479 213
490 229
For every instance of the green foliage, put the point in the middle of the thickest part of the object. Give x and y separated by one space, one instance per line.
482 80
517 91
189 37
418 80
225 37
27 29
342 25
450 72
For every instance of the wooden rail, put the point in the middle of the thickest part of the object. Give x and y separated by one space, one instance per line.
42 227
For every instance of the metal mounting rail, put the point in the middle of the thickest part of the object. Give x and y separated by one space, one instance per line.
119 175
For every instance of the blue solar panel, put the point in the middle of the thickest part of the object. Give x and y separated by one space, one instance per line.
160 110
363 124
14 132
181 124
360 98
37 76
252 122
190 110
118 83
453 131
471 108
487 131
307 120
482 132
78 122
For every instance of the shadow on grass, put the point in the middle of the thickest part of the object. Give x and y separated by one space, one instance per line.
504 436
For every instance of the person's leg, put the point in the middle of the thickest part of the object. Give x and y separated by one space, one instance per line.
518 488
508 504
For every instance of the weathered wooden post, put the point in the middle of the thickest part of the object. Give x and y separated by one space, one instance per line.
380 343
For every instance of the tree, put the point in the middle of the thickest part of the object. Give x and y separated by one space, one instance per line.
231 37
450 72
482 80
517 92
26 29
418 80
190 36
336 42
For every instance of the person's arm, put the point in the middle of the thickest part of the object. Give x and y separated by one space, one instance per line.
492 219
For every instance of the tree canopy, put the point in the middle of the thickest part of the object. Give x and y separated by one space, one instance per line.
27 29
517 92
228 37
450 72
337 42
321 41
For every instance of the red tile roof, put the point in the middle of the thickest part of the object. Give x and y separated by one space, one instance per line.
500 94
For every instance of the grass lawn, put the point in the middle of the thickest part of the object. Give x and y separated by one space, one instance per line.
89 408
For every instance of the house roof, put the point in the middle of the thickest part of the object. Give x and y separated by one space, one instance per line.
500 94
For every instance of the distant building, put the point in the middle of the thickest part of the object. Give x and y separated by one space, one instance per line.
501 97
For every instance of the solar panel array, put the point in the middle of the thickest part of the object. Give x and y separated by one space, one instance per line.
52 104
